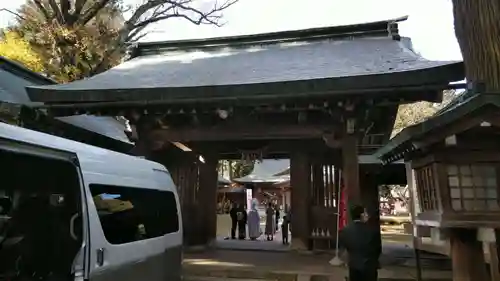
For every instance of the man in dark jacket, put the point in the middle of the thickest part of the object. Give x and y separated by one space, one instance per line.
234 219
241 217
361 241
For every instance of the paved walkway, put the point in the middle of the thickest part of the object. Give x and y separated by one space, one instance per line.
258 245
280 266
393 253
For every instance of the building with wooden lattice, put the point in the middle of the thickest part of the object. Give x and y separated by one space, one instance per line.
453 161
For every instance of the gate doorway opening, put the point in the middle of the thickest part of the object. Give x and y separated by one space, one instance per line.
262 194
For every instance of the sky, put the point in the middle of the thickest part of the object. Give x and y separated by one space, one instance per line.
430 23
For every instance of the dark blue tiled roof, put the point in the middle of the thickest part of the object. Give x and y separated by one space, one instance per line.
259 63
213 67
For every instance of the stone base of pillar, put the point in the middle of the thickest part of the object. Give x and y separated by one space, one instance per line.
467 256
298 245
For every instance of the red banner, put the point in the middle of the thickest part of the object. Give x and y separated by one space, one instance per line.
343 208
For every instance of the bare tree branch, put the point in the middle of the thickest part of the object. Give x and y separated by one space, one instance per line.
134 35
162 9
65 7
43 10
92 11
140 11
57 12
144 23
79 4
13 13
181 9
210 17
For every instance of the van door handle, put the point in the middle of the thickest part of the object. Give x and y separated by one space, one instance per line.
72 226
100 257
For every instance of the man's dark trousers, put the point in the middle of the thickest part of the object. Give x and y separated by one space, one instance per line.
363 275
234 223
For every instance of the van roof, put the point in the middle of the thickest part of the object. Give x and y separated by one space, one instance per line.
84 152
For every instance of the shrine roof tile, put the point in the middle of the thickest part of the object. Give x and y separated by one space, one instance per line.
324 60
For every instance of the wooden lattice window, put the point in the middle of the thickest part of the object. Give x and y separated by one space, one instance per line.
427 193
473 187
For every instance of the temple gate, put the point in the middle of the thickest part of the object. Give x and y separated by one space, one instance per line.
320 97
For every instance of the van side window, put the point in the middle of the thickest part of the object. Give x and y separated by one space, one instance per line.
130 214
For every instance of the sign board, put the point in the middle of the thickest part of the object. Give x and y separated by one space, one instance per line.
249 198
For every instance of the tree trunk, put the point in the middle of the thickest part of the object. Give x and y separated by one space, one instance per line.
477 27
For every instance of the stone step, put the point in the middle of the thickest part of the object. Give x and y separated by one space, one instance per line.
210 273
292 277
237 274
208 278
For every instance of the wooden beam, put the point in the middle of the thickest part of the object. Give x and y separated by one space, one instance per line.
251 132
270 149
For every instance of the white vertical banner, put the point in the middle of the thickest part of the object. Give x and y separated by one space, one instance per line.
249 199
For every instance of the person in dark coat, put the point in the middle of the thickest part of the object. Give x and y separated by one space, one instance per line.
284 229
241 217
277 216
234 219
361 241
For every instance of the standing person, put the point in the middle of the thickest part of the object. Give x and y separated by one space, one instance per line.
234 219
360 240
269 231
241 216
285 228
277 216
253 221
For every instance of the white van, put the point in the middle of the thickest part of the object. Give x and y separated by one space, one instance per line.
70 211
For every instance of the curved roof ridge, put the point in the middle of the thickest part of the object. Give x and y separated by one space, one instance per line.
377 28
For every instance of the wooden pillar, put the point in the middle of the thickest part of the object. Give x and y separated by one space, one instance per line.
494 248
494 264
350 170
467 256
143 144
300 181
207 199
184 172
142 149
318 185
